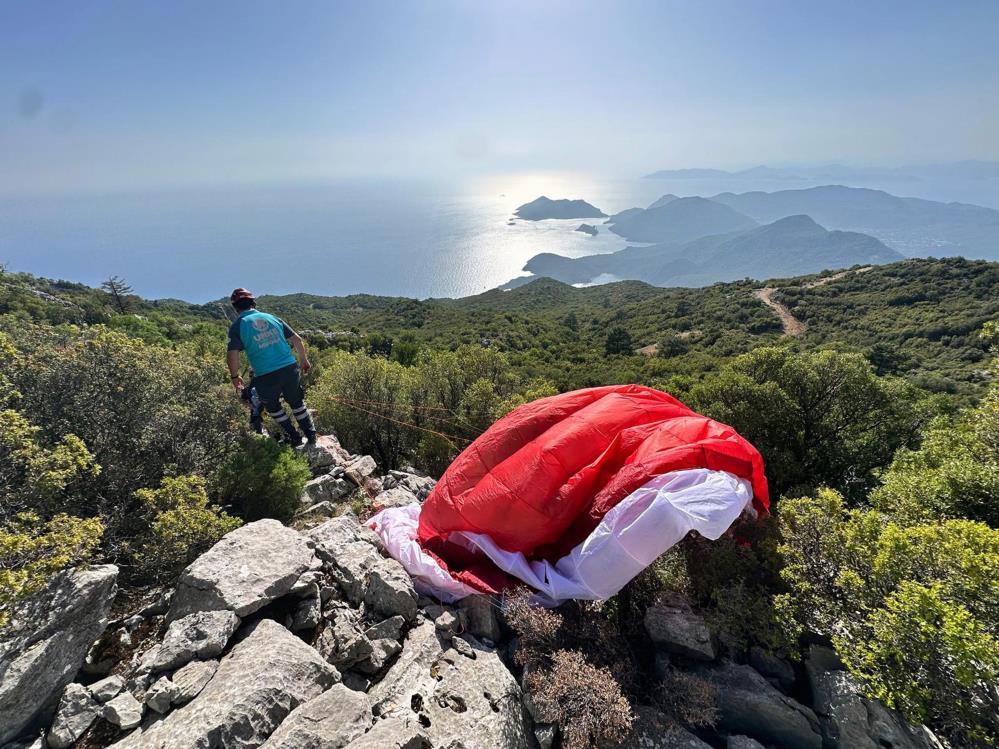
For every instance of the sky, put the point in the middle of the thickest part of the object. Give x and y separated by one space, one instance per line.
105 96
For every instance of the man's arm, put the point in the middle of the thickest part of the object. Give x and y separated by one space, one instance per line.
303 356
232 361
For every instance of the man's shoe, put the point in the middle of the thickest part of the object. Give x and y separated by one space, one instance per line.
311 438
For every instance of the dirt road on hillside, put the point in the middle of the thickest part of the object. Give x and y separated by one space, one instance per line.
791 324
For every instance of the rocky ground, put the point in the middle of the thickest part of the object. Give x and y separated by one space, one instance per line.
309 637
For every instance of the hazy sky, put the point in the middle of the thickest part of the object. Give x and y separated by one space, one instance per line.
107 95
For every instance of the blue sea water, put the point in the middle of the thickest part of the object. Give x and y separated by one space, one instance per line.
408 238
416 239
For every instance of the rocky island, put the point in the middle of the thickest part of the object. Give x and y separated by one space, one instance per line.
544 208
587 229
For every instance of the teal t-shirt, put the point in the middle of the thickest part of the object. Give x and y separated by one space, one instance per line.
264 338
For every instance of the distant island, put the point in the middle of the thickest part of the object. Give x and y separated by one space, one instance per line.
588 229
789 246
956 170
545 208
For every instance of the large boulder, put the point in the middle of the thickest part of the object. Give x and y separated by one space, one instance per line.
850 720
451 695
330 721
250 567
324 455
675 627
331 487
749 705
46 642
396 497
389 590
262 679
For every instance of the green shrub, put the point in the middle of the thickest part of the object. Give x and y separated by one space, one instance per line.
34 476
264 479
819 419
912 610
32 551
182 526
953 474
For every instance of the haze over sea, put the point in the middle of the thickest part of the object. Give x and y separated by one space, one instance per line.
406 238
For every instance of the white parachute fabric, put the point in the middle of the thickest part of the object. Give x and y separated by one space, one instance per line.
628 539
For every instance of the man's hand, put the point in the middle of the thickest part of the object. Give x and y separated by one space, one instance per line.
237 382
306 366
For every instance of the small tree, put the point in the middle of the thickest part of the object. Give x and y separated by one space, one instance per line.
119 291
618 342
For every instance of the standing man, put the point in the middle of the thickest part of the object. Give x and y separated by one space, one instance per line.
265 339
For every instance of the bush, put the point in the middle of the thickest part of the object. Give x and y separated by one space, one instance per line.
143 411
182 525
953 474
537 628
32 551
584 701
264 479
37 477
912 610
821 418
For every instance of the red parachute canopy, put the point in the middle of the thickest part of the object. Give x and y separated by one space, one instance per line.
541 478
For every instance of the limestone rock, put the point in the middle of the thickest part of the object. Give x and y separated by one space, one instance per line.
393 733
329 488
479 613
200 635
749 705
545 733
382 651
107 688
123 711
850 720
77 710
778 672
743 742
452 696
390 590
360 468
45 644
675 627
341 643
652 730
324 455
247 569
161 695
263 678
391 627
329 721
307 615
191 679
397 497
418 484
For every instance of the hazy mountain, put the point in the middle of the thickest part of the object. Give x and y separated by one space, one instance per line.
910 225
544 208
680 220
668 198
789 246
954 170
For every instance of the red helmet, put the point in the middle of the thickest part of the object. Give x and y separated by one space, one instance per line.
240 293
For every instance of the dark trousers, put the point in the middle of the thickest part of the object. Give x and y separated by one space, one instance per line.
285 383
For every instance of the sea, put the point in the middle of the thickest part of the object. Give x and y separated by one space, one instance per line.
412 238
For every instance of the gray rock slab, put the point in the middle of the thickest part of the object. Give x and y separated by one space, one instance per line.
676 628
201 635
749 705
776 670
743 742
324 455
46 642
453 696
247 569
479 614
123 711
161 695
77 710
393 733
107 688
389 590
327 488
330 721
391 627
263 678
191 679
397 497
651 729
